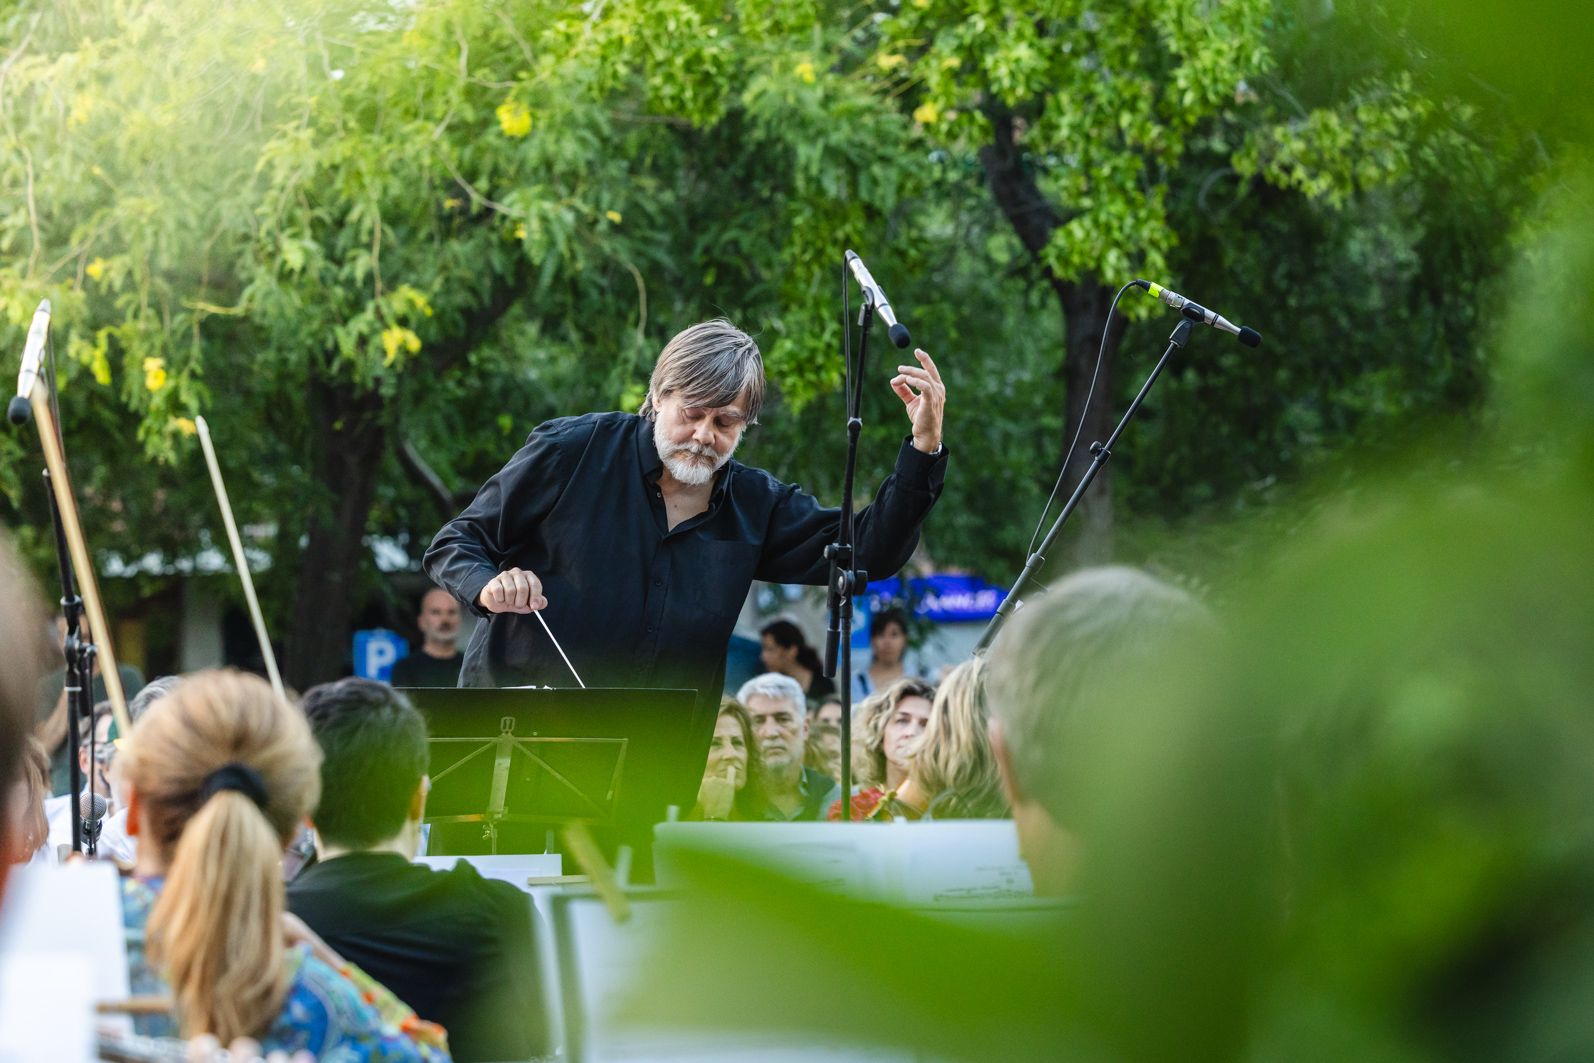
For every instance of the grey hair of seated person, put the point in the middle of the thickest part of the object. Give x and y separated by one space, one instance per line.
1060 657
152 692
777 687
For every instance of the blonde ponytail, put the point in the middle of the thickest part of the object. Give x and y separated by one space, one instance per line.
215 930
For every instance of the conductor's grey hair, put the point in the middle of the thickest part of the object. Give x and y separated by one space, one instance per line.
776 687
1064 654
709 365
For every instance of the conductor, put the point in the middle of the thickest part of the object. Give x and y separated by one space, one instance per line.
637 536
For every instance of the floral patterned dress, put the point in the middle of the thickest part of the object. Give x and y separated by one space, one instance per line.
342 1016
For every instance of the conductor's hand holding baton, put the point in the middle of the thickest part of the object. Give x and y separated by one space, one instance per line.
513 590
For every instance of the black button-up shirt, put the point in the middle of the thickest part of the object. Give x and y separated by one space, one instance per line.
632 601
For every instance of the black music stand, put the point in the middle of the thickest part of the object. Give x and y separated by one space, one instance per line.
509 765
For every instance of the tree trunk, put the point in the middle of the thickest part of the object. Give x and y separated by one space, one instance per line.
348 439
1084 303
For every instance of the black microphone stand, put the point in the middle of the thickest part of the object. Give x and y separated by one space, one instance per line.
79 685
845 581
1100 453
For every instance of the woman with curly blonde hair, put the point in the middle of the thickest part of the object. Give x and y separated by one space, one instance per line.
953 772
886 730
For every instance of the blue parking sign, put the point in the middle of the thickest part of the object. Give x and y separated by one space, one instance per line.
376 651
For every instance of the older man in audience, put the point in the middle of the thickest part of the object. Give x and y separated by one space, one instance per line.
1050 676
779 712
454 946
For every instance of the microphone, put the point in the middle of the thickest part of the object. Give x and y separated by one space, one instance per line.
1196 312
32 355
882 306
91 809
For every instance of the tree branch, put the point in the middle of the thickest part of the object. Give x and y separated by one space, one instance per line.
426 477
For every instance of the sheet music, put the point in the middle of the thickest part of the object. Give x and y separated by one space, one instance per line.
68 910
942 862
46 1008
62 949
958 861
514 869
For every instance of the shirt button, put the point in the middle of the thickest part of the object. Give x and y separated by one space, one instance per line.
658 583
650 629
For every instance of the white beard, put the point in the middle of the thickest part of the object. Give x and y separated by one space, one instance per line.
685 470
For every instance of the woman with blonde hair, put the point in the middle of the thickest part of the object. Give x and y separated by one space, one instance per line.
220 772
886 730
953 774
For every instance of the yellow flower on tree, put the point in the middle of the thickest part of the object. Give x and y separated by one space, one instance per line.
612 215
520 231
514 118
890 61
805 72
154 374
95 269
82 107
100 366
395 337
927 113
185 426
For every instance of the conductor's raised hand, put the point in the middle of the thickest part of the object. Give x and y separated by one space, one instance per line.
513 590
922 392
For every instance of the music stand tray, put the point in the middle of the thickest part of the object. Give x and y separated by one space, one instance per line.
507 765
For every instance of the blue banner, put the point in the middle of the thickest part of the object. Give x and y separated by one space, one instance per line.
944 598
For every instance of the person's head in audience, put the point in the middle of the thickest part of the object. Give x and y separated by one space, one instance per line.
733 778
95 767
954 769
150 693
886 730
1050 675
373 767
786 651
23 653
219 772
438 622
33 821
779 714
888 637
827 712
823 753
